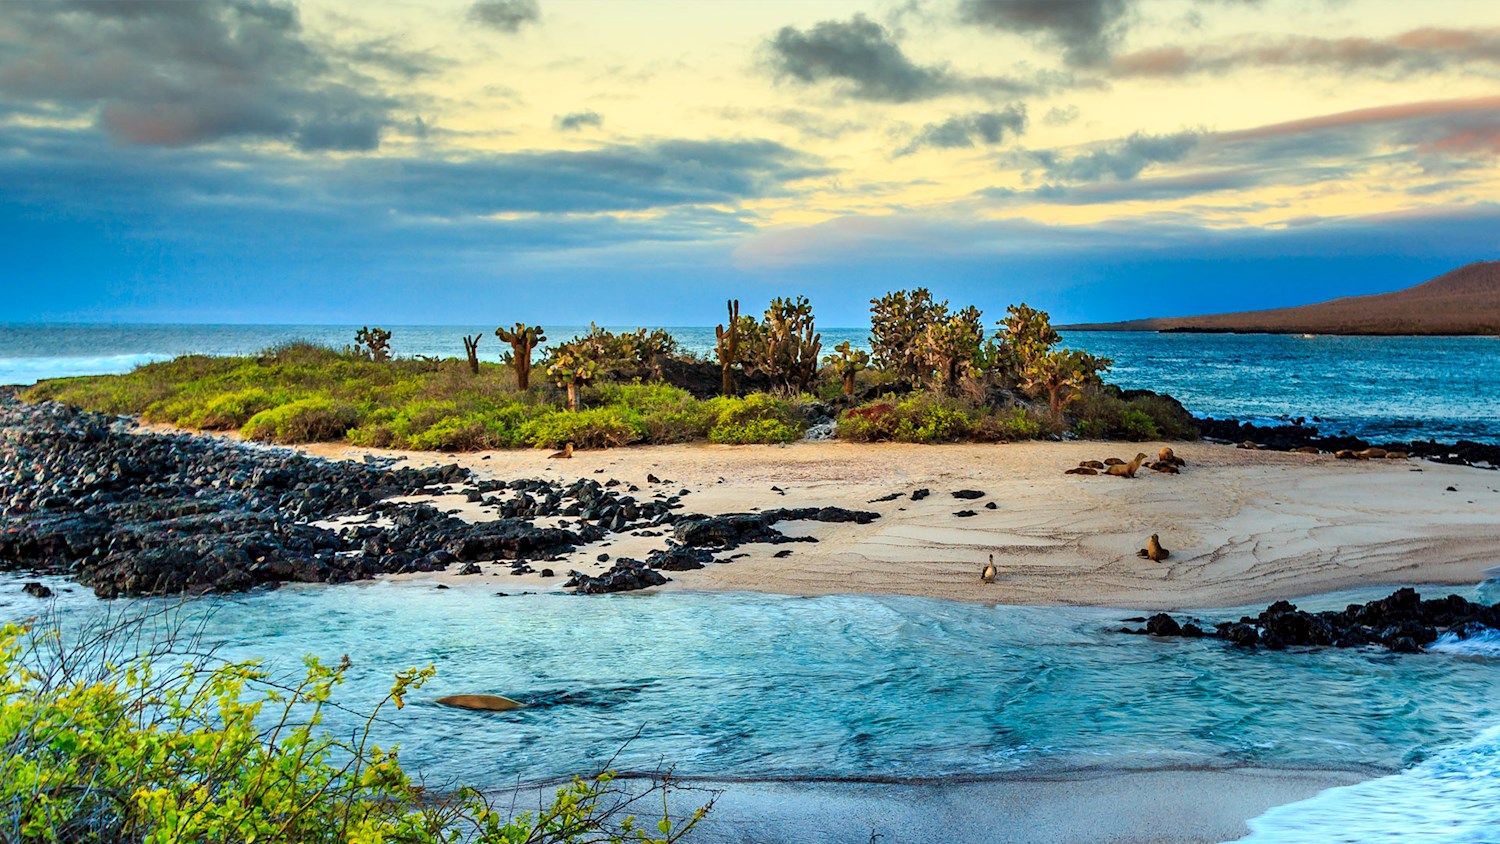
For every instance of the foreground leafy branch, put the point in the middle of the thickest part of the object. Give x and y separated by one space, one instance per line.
102 740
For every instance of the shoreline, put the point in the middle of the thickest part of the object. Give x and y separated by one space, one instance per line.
1244 526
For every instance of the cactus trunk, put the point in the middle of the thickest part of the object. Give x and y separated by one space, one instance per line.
573 395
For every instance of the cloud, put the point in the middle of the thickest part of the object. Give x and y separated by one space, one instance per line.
1086 30
177 74
574 121
968 130
505 15
1416 51
860 53
1118 160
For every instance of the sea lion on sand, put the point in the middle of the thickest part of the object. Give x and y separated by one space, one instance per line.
1153 550
1164 467
1128 470
1306 449
1166 455
989 573
1113 461
1082 470
483 703
1371 453
1395 455
565 454
1093 464
1249 445
1345 454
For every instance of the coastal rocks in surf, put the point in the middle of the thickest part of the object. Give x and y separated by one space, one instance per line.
1305 438
1402 622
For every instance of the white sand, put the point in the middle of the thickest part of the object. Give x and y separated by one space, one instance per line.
1242 526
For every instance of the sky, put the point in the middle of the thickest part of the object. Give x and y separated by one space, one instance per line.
640 161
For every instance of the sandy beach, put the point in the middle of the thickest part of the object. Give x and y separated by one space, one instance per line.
1242 526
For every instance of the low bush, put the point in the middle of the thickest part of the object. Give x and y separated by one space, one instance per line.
1104 412
756 418
599 427
229 411
918 418
302 421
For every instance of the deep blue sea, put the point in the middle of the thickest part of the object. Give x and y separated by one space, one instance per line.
1400 388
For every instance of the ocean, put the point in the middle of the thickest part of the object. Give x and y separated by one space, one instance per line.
1396 388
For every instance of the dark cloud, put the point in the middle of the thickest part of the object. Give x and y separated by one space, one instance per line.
989 128
1086 30
574 121
860 53
1119 160
1417 51
505 15
176 74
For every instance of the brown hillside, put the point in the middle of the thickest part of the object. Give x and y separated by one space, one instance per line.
1464 301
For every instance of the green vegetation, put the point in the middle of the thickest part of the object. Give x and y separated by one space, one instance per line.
104 745
932 376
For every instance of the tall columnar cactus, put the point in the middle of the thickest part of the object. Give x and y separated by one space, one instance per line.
790 344
728 347
898 324
953 343
471 350
847 364
373 343
571 368
522 339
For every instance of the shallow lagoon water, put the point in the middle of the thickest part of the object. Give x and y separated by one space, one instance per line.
749 686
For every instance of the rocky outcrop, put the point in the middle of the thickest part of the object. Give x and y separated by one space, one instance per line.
1299 436
1402 622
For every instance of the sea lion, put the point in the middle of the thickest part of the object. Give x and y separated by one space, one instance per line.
1249 445
1164 467
1127 470
1092 464
482 703
1153 550
565 454
1345 454
989 573
1395 455
1306 449
1166 455
1371 453
1082 470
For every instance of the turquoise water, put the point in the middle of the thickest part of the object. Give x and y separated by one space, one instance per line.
746 686
1402 388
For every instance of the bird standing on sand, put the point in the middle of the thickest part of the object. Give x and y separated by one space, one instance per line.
565 454
989 573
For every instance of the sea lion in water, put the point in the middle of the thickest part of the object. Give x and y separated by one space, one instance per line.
1153 550
1081 470
989 573
1166 455
1092 464
1113 461
482 703
565 454
1128 470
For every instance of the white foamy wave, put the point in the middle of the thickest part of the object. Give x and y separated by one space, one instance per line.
25 371
1452 798
1483 644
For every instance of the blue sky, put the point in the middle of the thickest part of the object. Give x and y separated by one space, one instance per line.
562 161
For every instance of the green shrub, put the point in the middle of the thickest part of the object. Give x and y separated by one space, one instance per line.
186 748
1012 425
756 418
918 418
230 410
302 421
599 427
1104 412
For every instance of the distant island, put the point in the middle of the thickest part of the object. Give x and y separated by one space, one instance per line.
1465 301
